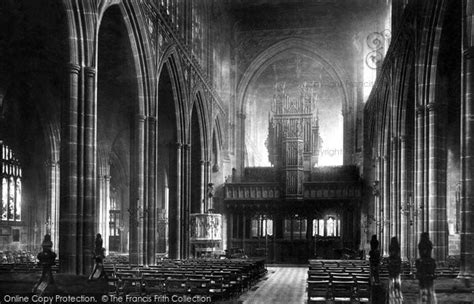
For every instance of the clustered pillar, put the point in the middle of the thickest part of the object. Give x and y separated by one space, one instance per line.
78 172
404 200
150 198
437 223
467 169
52 169
400 217
175 210
137 194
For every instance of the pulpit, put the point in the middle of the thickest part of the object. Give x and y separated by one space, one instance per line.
206 234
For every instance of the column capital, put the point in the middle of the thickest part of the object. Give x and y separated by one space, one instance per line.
469 52
403 138
51 163
347 111
73 68
140 117
179 145
420 110
241 115
202 161
90 71
151 118
187 146
432 106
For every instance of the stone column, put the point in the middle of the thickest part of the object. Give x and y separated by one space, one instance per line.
348 127
404 225
437 185
386 205
420 168
202 197
467 169
90 168
69 169
52 169
207 179
378 208
240 153
104 202
136 195
151 239
175 209
394 210
186 201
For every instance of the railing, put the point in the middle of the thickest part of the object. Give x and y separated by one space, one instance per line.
312 190
332 190
259 191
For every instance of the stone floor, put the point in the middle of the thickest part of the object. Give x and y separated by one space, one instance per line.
280 285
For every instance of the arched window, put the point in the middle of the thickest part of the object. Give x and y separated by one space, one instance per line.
261 226
331 226
11 185
114 221
331 229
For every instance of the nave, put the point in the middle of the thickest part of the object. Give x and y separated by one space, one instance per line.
234 281
282 284
283 130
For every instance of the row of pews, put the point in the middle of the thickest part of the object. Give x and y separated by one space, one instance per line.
17 257
338 281
214 278
25 267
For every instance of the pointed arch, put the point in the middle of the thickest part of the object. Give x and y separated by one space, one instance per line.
265 58
171 61
203 120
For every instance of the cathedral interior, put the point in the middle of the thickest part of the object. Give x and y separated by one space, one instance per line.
278 131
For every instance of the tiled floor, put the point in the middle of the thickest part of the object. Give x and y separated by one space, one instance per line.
281 285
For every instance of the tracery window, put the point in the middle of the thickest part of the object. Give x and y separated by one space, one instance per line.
330 226
262 226
11 185
197 33
114 214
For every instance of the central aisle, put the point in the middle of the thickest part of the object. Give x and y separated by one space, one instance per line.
281 285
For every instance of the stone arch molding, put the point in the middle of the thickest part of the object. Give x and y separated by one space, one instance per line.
267 57
84 23
170 60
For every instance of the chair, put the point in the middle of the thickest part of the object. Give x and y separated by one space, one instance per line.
217 287
175 287
154 285
318 291
198 287
363 290
343 291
